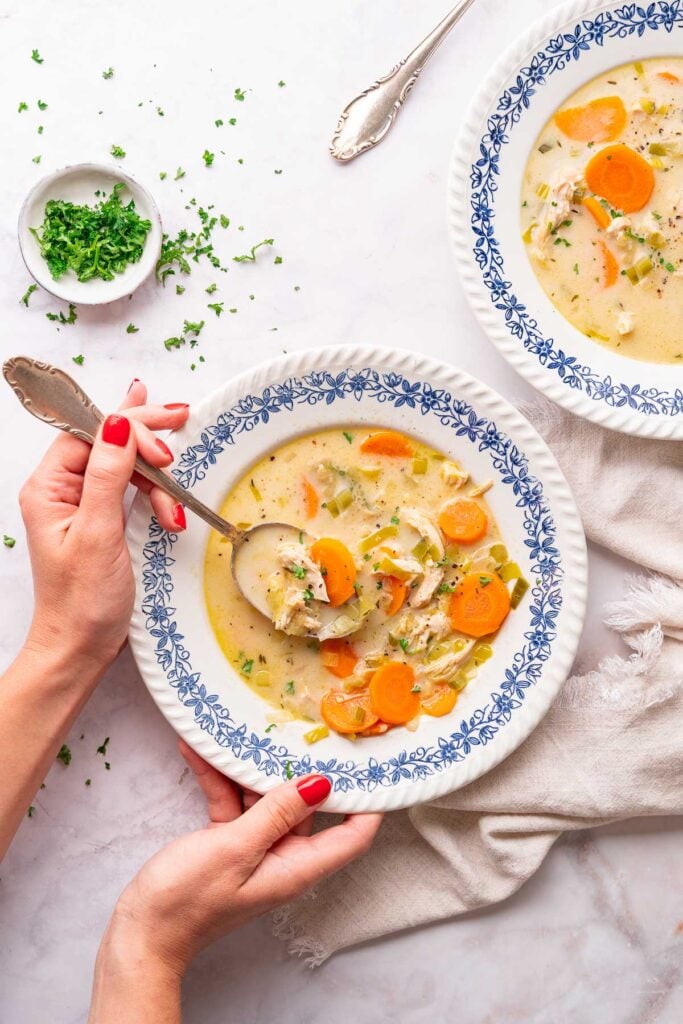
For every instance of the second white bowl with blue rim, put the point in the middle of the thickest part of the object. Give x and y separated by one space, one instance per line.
566 49
211 707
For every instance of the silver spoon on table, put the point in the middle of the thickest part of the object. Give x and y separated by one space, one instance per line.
55 398
369 117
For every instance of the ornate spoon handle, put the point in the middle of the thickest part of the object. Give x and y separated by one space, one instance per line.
55 398
368 118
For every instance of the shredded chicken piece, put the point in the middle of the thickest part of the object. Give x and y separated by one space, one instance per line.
291 586
556 209
431 580
419 628
453 475
625 322
445 666
425 527
616 225
476 492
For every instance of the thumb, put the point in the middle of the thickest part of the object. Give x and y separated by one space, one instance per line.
109 469
278 812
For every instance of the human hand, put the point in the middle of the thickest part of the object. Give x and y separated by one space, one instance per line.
240 865
72 507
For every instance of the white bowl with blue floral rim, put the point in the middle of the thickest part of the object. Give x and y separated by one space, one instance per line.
212 708
568 48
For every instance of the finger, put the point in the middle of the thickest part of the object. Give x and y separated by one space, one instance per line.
278 812
108 472
249 798
170 513
222 795
160 417
297 863
152 448
305 828
137 395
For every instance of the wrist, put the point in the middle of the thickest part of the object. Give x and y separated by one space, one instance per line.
63 655
132 982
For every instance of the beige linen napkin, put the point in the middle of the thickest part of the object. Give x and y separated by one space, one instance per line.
608 749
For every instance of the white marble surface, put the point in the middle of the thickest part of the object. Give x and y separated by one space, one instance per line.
593 936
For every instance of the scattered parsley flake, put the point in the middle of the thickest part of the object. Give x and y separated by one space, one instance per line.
40 129
289 774
36 159
277 260
180 173
109 73
395 520
61 319
107 765
225 221
277 172
247 666
64 755
289 686
208 157
78 360
416 688
404 644
162 175
70 237
22 106
35 56
9 542
103 748
28 293
250 257
239 95
88 782
211 289
348 436
132 329
297 570
217 307
117 152
281 84
179 289
232 120
485 580
218 123
160 112
31 811
42 105
269 728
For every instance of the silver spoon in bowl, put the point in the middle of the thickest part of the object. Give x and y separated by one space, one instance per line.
56 398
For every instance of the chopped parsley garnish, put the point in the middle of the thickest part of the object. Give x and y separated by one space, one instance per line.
102 749
289 774
160 112
109 73
97 241
277 260
88 782
485 580
40 129
36 159
189 327
78 360
239 95
61 319
247 666
297 570
28 293
217 307
9 542
42 105
22 106
281 84
404 644
250 257
162 175
117 152
107 765
269 728
576 268
349 437
232 120
31 811
179 289
180 173
564 242
395 520
308 595
35 56
277 172
218 123
211 289
446 588
225 221
132 329
289 686
64 754
208 157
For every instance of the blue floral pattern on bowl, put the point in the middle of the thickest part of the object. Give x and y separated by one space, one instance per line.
525 669
620 23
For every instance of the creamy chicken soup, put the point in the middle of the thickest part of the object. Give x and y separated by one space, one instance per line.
397 544
602 209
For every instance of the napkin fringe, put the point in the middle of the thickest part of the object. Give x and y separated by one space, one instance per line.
289 930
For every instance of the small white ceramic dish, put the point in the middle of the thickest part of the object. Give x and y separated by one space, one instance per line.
78 184
223 719
569 47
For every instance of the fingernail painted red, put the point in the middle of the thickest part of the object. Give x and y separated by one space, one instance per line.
314 789
164 448
116 430
177 405
179 517
135 380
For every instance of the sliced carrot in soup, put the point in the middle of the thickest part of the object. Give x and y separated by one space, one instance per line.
441 702
391 693
601 120
479 604
387 442
347 713
311 499
622 177
338 657
600 215
463 521
610 267
398 590
338 568
668 76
